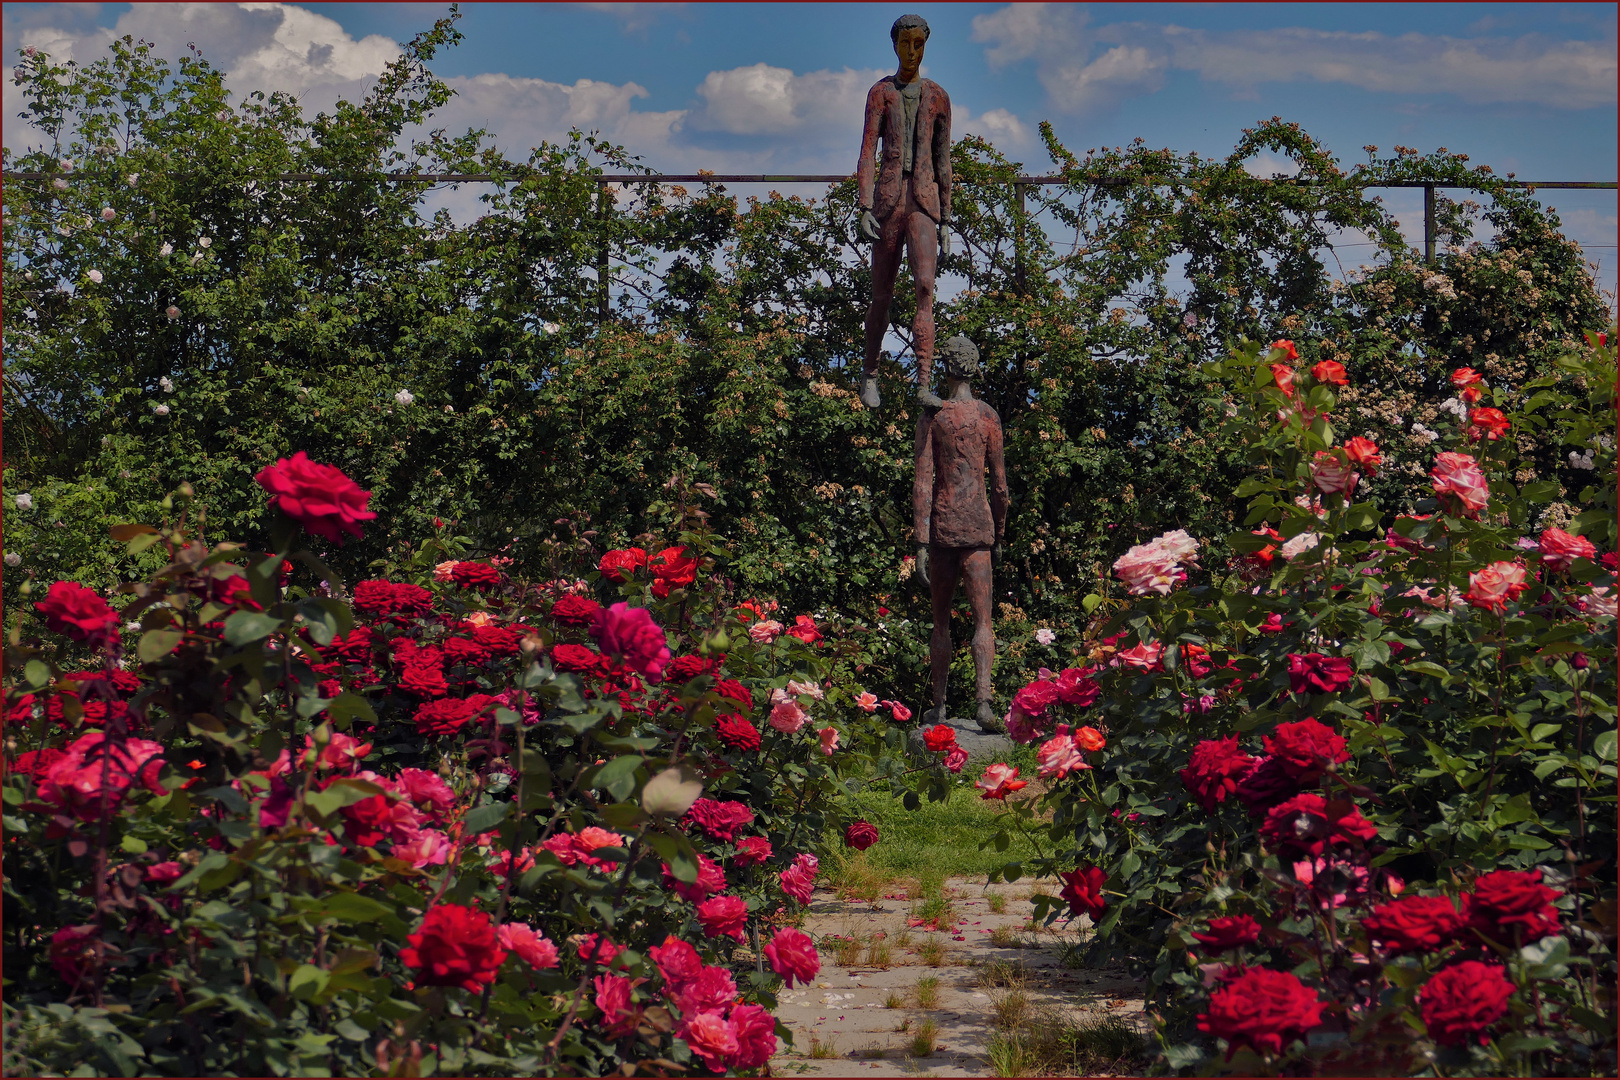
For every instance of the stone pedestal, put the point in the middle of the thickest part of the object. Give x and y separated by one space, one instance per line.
980 746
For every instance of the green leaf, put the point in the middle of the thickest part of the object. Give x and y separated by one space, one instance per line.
306 983
672 791
481 819
678 852
617 776
1604 746
156 644
349 705
246 627
1089 602
37 672
353 908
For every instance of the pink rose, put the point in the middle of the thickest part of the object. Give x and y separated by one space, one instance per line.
867 701
423 847
765 631
829 740
1559 549
900 713
999 781
711 1038
1459 476
723 915
955 758
751 850
1059 757
788 717
792 955
630 633
1144 656
533 949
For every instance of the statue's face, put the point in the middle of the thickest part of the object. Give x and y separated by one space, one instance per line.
909 48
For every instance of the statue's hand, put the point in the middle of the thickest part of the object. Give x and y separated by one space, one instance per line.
922 564
870 229
944 240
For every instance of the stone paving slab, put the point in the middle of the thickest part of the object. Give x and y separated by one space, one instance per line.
847 1007
980 745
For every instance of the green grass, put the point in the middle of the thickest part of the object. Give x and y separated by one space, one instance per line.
940 839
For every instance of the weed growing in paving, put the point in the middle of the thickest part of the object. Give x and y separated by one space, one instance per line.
925 1038
822 1048
936 913
932 952
895 1000
846 951
928 992
871 1050
854 877
1001 973
998 904
1053 1043
1009 1009
1005 937
879 955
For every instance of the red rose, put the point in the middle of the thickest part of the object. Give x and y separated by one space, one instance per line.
1034 699
1214 770
710 879
1229 932
319 497
1309 824
861 835
751 850
445 716
70 608
1489 422
1261 1009
1305 748
723 915
1459 479
792 955
93 772
619 1016
455 946
1364 454
631 634
737 733
1267 783
678 963
73 954
1291 353
683 669
712 990
352 648
939 738
1414 924
1331 372
672 569
756 1037
575 658
620 565
1559 550
460 650
392 599
733 690
37 763
1465 376
804 628
1315 673
1075 687
712 1038
1512 907
379 817
1083 891
720 820
574 610
424 678
1283 375
1461 1001
475 575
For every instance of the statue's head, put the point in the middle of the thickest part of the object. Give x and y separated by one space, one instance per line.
909 34
960 358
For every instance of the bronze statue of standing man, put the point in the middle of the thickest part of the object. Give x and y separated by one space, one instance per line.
959 521
907 203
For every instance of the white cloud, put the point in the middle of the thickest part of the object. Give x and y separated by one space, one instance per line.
1082 67
1267 165
765 100
1000 127
634 18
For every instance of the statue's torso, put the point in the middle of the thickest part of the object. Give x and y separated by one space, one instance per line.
961 505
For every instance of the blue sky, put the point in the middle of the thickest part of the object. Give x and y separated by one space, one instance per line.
1525 88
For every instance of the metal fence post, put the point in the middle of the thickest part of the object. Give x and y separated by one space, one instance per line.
1018 239
1428 223
603 306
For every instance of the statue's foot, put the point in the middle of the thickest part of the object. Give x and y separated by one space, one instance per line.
990 721
869 394
937 715
930 400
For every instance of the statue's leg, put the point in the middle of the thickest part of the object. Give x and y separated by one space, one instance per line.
944 568
922 245
886 251
976 569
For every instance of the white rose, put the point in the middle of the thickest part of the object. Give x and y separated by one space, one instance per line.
108 213
25 501
1300 544
172 312
134 178
550 327
65 165
207 241
404 397
13 559
161 410
59 184
166 249
94 275
167 384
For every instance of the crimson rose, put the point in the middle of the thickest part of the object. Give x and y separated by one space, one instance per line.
1309 824
861 835
1461 1001
1414 924
475 575
1083 891
619 565
1214 770
455 946
1512 907
1315 673
1261 1009
571 610
1229 932
70 608
792 955
319 497
1306 747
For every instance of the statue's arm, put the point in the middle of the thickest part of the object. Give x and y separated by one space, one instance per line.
922 489
866 168
998 476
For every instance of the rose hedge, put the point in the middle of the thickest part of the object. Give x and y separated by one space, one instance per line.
1358 789
448 822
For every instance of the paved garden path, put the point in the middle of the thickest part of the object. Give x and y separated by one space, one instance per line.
867 1013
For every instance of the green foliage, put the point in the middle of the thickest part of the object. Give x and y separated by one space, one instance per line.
721 348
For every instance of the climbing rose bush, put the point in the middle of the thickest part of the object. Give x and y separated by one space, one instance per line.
1356 788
